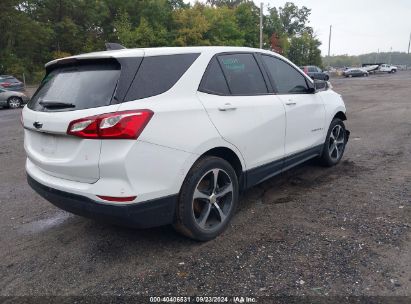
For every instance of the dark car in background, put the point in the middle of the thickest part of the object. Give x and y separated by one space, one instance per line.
355 72
315 72
11 83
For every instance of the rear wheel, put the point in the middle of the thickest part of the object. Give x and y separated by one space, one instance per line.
14 102
208 199
335 142
365 74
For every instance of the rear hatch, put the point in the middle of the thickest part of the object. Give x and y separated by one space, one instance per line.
71 90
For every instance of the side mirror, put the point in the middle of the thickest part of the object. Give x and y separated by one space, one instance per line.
311 90
320 85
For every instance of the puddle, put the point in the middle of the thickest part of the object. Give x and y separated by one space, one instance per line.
42 225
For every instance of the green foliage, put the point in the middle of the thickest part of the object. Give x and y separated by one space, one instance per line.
348 61
36 31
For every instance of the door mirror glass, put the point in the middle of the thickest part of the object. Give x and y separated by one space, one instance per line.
320 85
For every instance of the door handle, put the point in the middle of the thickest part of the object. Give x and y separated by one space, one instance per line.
227 107
290 103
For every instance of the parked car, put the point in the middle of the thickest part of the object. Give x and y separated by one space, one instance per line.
315 72
355 72
11 83
148 137
12 99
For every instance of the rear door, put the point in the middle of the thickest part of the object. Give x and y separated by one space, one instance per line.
305 112
241 105
68 93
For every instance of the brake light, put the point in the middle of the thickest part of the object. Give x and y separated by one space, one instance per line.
6 84
117 125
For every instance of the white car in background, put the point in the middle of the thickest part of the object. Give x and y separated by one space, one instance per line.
12 99
148 137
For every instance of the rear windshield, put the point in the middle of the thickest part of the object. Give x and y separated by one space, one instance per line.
80 87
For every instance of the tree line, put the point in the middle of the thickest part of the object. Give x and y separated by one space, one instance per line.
399 58
36 31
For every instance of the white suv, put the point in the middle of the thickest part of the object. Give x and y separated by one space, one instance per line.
148 137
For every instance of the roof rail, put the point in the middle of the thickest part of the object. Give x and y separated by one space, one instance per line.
114 46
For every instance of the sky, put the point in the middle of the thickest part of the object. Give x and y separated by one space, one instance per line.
358 26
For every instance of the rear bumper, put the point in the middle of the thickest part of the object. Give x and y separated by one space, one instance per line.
146 214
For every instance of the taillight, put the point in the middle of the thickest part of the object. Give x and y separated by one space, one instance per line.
117 125
6 84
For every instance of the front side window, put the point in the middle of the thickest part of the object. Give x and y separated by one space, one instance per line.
286 78
243 75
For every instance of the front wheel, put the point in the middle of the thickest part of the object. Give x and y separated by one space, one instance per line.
14 102
208 199
335 143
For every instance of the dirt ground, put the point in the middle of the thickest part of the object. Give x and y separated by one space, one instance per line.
313 231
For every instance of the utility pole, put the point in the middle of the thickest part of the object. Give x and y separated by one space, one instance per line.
329 41
409 43
261 25
390 55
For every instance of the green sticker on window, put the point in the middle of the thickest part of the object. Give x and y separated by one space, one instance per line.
233 64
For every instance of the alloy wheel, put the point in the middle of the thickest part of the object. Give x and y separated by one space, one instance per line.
336 143
213 199
14 103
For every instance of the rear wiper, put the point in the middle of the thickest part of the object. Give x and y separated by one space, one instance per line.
56 104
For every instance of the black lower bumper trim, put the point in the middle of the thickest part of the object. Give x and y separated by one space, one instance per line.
146 214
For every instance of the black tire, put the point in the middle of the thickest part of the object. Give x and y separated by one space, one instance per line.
365 75
327 78
186 221
393 71
14 102
329 159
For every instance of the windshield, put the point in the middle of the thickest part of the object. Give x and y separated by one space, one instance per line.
82 87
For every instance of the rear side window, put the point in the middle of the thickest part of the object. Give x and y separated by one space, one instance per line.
158 74
286 78
84 86
213 81
243 75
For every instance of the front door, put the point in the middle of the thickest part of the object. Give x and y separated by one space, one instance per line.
305 112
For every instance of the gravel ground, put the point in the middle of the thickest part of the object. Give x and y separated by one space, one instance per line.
342 231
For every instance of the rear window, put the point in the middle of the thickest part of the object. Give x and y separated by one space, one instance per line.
158 74
8 79
213 81
83 86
